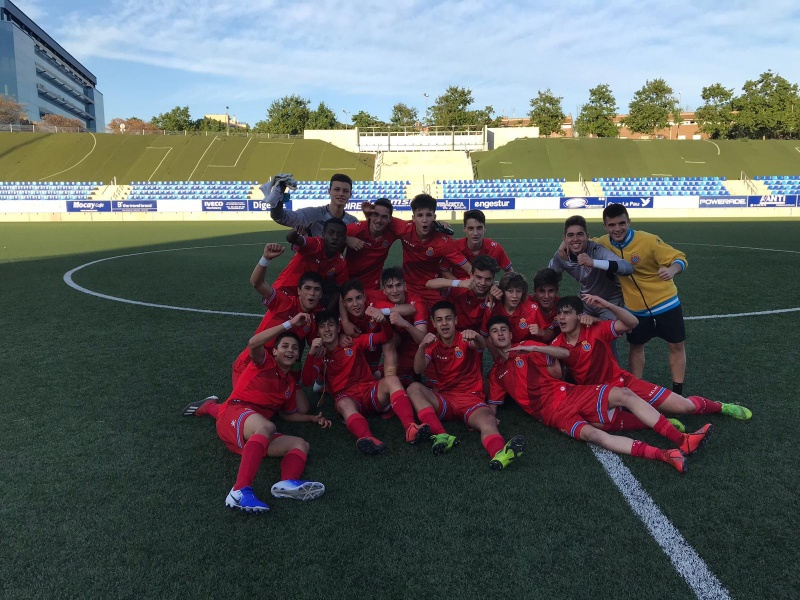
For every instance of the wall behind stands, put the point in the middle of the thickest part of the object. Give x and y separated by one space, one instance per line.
500 136
346 139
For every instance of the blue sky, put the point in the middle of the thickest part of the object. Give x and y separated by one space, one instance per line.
369 55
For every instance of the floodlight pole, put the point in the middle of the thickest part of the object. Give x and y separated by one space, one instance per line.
346 116
227 122
426 104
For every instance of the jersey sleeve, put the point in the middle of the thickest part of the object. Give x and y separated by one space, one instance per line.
666 255
342 273
557 263
313 245
312 369
623 266
356 228
398 227
606 331
497 393
292 218
503 261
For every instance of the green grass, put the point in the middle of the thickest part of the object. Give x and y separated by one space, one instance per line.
108 492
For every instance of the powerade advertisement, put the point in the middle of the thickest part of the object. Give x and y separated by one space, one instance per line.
723 201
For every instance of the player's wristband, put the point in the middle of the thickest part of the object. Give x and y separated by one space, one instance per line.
287 325
455 282
386 311
264 262
601 264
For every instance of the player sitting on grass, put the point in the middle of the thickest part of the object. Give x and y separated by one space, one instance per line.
355 391
265 388
455 358
470 296
590 361
320 255
529 376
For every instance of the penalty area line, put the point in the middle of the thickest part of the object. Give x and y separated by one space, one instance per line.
683 557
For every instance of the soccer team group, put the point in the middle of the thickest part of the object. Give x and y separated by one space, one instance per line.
408 342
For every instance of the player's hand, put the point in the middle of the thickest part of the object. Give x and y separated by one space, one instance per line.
273 250
350 330
397 320
533 330
562 251
321 421
469 335
294 235
427 340
667 273
345 341
593 300
496 293
367 208
585 260
300 319
353 243
375 314
316 348
587 320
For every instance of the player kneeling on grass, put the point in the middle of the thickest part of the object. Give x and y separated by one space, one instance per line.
243 421
529 375
455 358
590 361
348 378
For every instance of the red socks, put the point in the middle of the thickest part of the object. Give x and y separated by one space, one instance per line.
209 408
428 415
357 425
624 421
667 429
643 450
255 449
401 404
704 406
293 464
493 443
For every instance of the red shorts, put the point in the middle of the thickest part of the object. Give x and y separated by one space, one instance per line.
650 392
366 398
576 406
230 425
459 405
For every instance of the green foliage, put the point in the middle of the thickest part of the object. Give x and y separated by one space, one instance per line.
11 111
597 116
287 115
205 124
546 113
322 118
363 120
768 108
178 119
451 109
651 107
403 116
715 118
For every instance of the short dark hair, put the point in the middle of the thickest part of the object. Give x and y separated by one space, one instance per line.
310 277
572 302
474 214
349 286
575 220
341 178
285 334
498 319
392 273
482 262
334 221
615 210
326 315
443 305
546 276
386 203
514 280
421 201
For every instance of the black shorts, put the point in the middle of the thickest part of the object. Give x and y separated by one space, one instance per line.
667 325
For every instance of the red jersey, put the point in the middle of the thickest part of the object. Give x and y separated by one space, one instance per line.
311 257
367 326
525 378
367 264
526 314
344 368
590 359
456 368
542 319
488 247
408 347
421 260
471 311
265 388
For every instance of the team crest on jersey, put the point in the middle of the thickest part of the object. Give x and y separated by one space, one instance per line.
371 325
287 393
635 258
586 345
348 351
331 273
385 243
307 328
523 324
519 362
429 251
459 352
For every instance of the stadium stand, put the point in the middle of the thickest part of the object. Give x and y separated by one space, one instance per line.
191 190
494 188
367 190
781 184
662 186
47 190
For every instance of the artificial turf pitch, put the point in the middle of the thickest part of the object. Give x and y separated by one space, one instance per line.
108 492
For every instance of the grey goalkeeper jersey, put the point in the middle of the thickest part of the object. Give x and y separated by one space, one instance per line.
593 280
312 218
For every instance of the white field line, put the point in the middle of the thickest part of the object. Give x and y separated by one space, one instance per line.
168 149
683 557
237 158
713 144
200 159
695 162
284 143
88 154
337 169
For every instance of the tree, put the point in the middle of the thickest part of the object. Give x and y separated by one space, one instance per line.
546 113
178 119
206 124
715 117
132 125
287 115
451 109
766 109
651 107
364 120
403 116
597 116
62 121
11 111
322 118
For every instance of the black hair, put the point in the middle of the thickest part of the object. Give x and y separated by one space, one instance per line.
546 276
341 178
572 302
482 262
474 214
514 280
423 201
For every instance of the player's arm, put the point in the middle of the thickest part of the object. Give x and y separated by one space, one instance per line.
292 218
604 259
442 283
353 229
256 343
271 251
312 366
672 261
303 418
421 361
551 351
417 332
296 238
626 320
474 339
